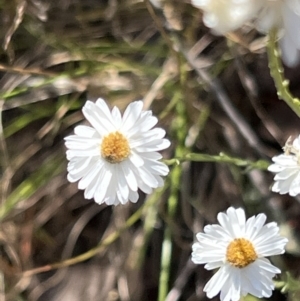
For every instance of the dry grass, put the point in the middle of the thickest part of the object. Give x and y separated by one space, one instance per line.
212 95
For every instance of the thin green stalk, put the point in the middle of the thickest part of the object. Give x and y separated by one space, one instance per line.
175 177
277 72
166 253
221 158
175 174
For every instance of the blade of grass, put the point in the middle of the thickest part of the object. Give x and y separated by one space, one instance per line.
52 167
153 199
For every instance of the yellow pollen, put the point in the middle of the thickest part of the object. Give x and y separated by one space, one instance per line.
240 252
115 148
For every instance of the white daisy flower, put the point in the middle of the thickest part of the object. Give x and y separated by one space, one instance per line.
238 248
118 154
227 15
287 169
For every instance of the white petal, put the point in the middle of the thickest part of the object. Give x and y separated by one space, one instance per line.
105 176
213 265
144 187
215 284
154 146
129 176
147 177
231 290
123 187
131 115
265 264
200 3
85 131
285 160
261 280
282 186
92 152
156 167
79 168
152 155
234 221
92 173
136 159
99 117
116 115
144 124
154 134
111 197
254 225
82 143
285 174
291 23
289 52
133 196
90 190
296 142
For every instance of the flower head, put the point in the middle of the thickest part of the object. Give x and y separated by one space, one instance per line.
287 169
285 16
238 248
118 154
227 15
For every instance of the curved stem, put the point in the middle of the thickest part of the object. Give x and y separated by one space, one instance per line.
277 72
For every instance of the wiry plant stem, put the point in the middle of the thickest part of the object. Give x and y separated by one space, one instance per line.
277 72
175 178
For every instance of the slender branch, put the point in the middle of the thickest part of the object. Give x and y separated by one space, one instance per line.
221 158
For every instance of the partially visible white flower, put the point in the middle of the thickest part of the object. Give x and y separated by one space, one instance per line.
157 3
228 15
287 169
238 248
118 154
284 15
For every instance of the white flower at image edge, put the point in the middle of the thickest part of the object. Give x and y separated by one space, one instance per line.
287 169
224 16
227 15
238 248
118 154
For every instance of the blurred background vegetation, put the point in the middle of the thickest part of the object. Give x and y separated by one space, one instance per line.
212 94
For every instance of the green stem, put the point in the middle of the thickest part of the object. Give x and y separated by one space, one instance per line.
166 253
277 72
175 177
221 158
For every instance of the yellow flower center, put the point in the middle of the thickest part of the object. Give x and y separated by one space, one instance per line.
240 252
115 148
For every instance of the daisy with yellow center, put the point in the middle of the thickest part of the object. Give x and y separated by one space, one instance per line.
116 155
238 247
